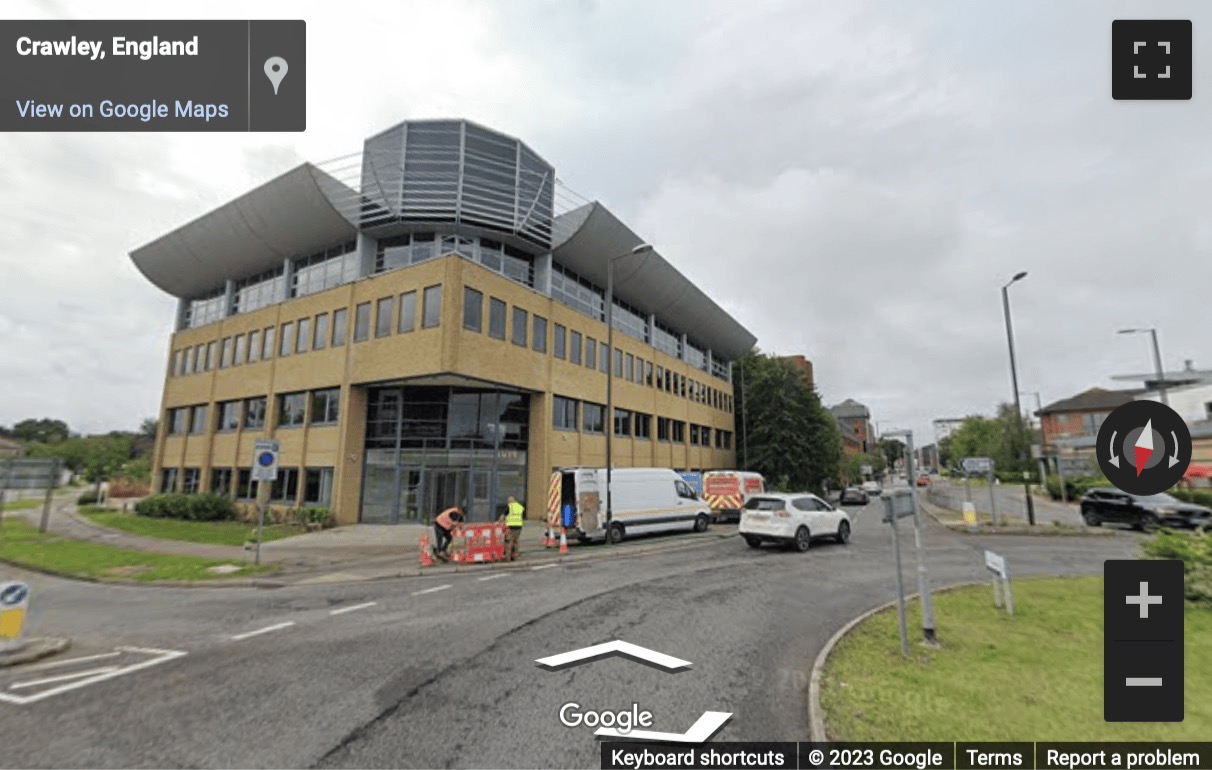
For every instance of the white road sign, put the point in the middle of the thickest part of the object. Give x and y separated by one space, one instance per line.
995 563
265 461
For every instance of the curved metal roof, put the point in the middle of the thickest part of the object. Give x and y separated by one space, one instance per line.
588 236
290 216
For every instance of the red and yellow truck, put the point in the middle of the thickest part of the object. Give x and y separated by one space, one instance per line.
728 491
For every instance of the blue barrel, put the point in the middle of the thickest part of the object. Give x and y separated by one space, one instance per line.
570 516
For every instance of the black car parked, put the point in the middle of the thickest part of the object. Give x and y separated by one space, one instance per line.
1145 512
853 496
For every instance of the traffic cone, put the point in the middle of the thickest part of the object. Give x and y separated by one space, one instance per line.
549 538
426 559
563 542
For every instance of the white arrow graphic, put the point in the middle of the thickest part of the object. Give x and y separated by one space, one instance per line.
626 649
707 726
1114 457
1174 457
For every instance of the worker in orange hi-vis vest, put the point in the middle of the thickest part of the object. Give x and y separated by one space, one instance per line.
442 527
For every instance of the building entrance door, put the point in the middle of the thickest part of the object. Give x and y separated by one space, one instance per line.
445 487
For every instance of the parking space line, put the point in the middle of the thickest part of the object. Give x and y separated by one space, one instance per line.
57 663
344 610
63 677
431 590
259 631
492 577
544 566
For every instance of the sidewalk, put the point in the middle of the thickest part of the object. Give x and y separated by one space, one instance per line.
352 553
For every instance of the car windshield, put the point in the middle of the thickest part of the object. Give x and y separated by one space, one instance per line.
765 504
1160 497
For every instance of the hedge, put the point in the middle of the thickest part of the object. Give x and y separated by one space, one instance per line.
1194 549
1075 486
87 498
203 507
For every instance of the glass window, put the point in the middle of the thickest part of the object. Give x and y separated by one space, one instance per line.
210 356
648 373
287 338
326 269
643 425
622 422
679 432
574 347
496 318
190 360
340 317
591 353
663 428
246 488
177 365
292 409
267 349
694 435
189 480
254 346
431 307
564 413
519 326
385 316
229 415
225 359
286 488
540 334
254 413
304 335
168 480
559 341
618 362
320 339
362 322
178 419
408 311
593 418
325 406
239 356
200 358
604 358
704 435
473 309
317 486
259 291
630 367
220 481
198 421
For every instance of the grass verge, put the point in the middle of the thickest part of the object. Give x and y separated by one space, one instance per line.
24 504
1036 676
209 532
24 545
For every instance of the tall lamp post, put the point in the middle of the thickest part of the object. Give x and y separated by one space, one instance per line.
1018 405
643 248
1157 364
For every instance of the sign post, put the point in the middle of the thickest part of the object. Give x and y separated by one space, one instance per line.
14 603
33 473
977 465
265 469
1001 580
898 506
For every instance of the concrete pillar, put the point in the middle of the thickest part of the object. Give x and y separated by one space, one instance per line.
367 248
182 314
288 277
542 274
229 294
683 351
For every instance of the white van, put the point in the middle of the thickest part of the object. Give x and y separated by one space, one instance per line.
642 500
728 491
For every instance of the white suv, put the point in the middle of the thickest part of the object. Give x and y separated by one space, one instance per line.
792 519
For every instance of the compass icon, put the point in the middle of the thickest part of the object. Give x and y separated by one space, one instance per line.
1144 447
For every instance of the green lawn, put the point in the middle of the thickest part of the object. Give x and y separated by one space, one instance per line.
25 504
23 544
210 532
1034 677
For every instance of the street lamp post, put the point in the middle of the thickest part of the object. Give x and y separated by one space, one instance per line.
1018 405
1157 364
643 248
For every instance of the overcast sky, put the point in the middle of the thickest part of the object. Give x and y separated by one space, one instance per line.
854 181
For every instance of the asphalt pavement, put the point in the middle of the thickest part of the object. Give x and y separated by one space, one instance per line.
439 671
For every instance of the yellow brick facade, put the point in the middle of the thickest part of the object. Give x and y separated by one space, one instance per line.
445 350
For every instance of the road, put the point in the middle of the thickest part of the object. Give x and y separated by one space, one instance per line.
1010 500
440 672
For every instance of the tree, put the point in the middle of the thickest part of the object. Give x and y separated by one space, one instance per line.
852 466
786 433
891 450
149 427
43 431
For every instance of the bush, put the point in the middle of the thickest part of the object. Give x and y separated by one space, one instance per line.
1075 486
321 516
1197 496
1015 477
87 498
205 507
1194 549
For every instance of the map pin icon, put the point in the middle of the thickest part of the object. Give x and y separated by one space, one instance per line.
275 70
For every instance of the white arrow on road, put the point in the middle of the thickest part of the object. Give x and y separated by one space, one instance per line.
1114 457
626 649
708 725
1174 457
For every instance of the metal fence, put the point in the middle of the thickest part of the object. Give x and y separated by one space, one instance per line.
1009 499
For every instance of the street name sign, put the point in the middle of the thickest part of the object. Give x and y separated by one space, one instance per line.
29 473
265 461
978 464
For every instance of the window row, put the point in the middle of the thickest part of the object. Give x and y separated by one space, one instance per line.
312 333
588 417
317 407
402 250
237 483
531 330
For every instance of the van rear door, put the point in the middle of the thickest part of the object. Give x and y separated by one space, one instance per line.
589 501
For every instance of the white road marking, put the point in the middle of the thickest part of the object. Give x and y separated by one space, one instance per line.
544 566
163 656
431 590
57 663
63 677
344 610
492 577
259 631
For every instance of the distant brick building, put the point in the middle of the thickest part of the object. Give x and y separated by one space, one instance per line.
804 365
855 420
1080 416
10 448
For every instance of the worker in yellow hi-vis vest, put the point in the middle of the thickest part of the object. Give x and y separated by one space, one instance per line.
514 517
